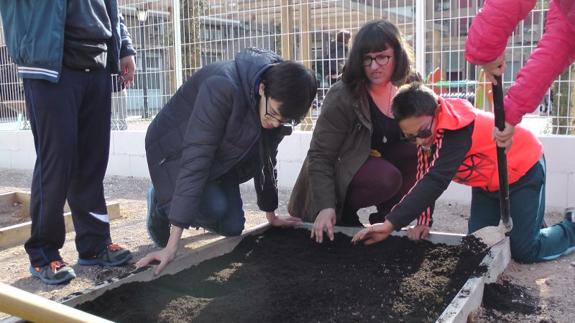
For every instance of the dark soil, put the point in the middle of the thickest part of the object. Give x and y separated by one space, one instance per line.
505 297
283 276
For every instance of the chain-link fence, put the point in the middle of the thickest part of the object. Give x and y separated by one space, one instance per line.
176 37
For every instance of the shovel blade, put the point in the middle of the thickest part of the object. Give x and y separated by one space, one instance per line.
490 235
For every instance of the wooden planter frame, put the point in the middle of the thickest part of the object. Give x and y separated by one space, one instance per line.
467 300
17 234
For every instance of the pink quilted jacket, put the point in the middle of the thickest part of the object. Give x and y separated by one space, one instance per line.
555 50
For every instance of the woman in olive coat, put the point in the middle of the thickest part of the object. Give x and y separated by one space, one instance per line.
357 157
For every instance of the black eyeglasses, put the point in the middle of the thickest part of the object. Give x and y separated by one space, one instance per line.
380 59
422 134
282 122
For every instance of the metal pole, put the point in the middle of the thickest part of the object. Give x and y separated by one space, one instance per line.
177 42
499 112
420 37
144 75
286 29
305 54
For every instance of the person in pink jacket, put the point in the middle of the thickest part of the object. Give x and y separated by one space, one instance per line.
555 51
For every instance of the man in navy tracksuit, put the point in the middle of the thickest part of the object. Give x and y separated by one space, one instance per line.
66 51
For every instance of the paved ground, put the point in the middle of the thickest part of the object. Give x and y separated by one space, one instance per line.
553 283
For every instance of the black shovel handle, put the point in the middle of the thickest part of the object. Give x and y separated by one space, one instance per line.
502 157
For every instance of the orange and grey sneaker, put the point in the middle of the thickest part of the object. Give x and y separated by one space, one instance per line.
54 273
112 255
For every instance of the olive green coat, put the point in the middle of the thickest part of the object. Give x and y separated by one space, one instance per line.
340 144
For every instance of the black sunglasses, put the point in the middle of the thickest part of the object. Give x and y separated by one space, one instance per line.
422 134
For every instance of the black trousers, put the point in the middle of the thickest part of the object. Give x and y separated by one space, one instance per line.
70 122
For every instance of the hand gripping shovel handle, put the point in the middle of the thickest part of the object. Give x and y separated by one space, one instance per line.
502 158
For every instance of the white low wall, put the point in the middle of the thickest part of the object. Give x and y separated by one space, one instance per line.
127 153
127 158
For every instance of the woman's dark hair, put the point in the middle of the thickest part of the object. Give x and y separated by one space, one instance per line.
377 36
293 85
413 100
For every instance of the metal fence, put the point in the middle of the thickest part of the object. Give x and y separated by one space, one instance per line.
176 37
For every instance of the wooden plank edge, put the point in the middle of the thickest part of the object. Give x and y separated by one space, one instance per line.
8 198
470 296
39 309
434 236
17 234
24 198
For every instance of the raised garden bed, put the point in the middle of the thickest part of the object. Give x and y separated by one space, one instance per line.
13 209
282 276
15 225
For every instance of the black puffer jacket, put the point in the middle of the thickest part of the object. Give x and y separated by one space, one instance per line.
206 129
